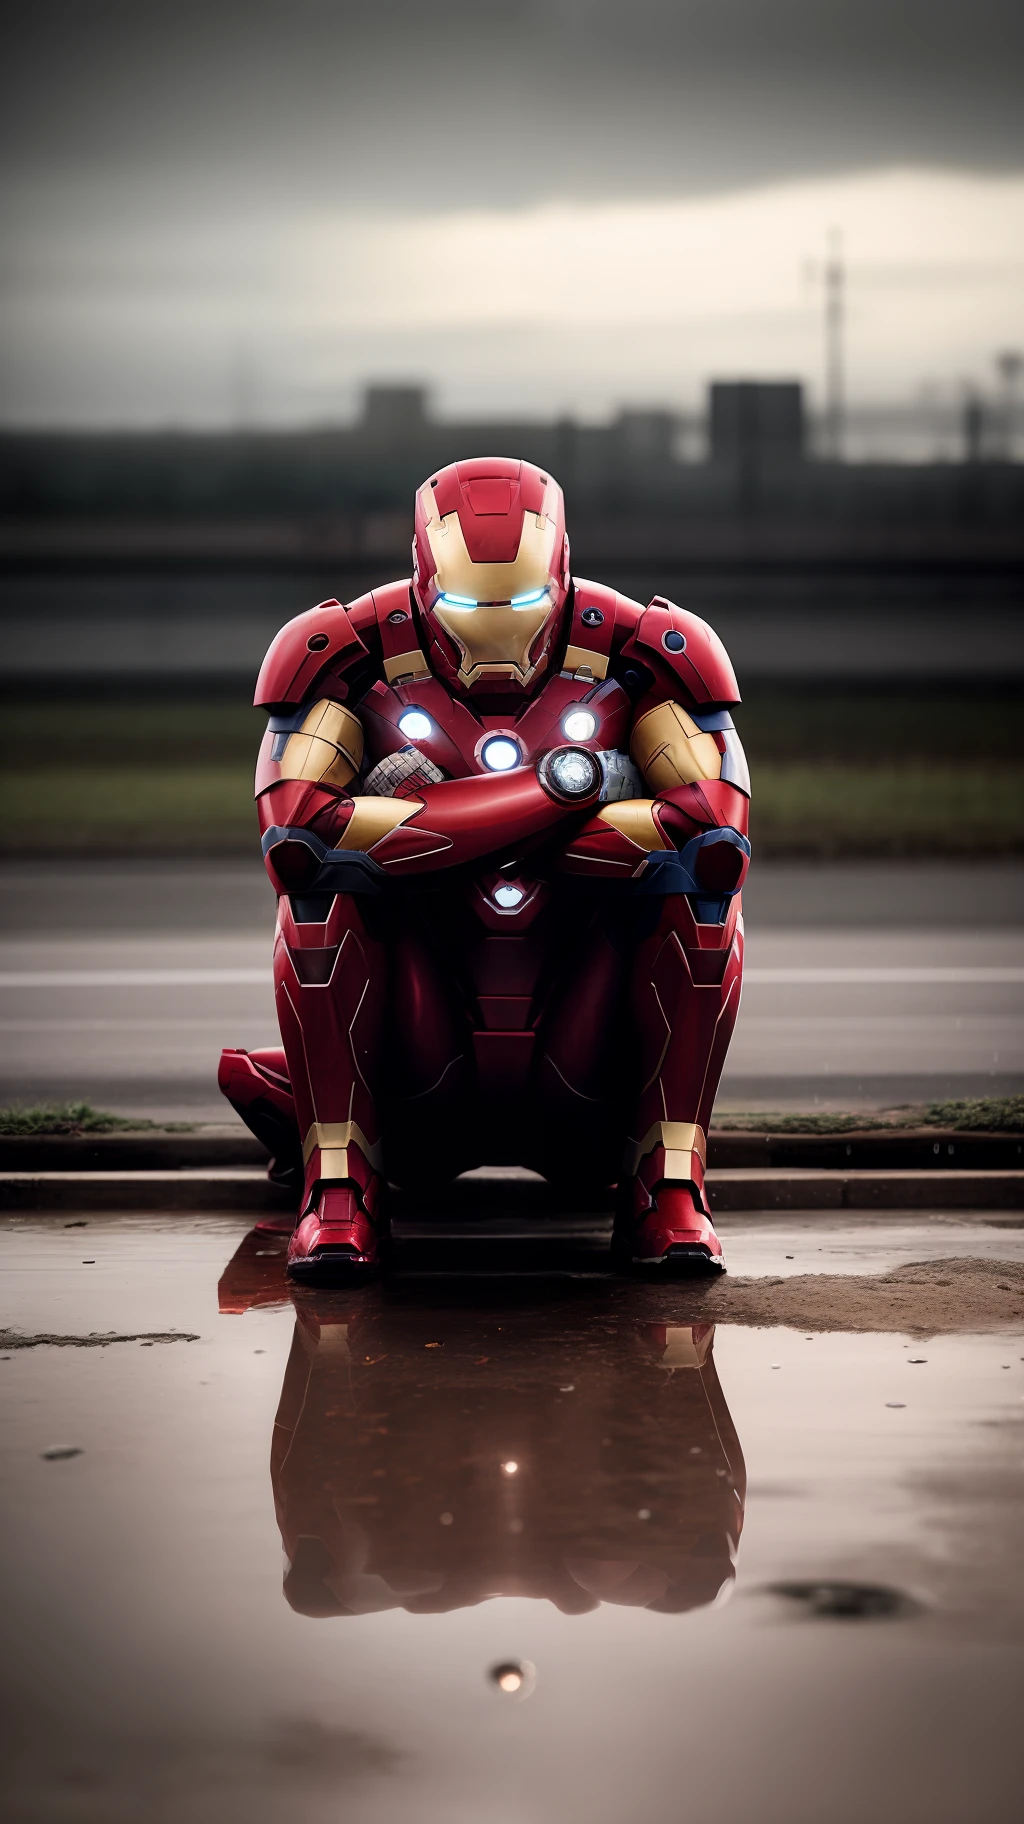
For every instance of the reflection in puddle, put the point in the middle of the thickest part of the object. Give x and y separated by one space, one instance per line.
430 1482
429 1458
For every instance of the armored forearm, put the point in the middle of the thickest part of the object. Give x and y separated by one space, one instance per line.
690 834
444 825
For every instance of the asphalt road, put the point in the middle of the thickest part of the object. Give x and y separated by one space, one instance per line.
866 985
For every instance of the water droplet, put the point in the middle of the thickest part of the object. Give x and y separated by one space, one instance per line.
516 1525
510 1468
643 1513
446 1519
515 1677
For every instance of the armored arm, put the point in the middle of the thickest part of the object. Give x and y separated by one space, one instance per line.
316 835
690 834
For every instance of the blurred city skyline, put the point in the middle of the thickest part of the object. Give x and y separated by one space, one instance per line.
236 217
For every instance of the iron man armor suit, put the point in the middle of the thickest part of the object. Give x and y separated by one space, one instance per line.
505 812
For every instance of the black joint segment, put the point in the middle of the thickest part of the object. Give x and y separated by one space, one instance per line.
349 871
712 721
339 871
311 908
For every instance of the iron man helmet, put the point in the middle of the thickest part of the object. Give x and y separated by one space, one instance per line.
490 572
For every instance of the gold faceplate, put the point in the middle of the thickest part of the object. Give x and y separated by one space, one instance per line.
334 1138
671 750
634 818
373 818
327 749
493 638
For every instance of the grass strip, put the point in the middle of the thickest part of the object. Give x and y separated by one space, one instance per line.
139 810
920 808
76 1118
986 1115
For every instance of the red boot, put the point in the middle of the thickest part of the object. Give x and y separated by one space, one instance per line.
342 1236
663 1220
674 1233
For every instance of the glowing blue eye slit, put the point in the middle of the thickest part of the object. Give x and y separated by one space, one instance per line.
415 725
529 601
500 755
578 725
459 601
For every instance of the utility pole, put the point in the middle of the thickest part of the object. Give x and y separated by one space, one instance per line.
835 308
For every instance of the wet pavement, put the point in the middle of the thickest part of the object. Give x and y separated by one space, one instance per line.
552 1548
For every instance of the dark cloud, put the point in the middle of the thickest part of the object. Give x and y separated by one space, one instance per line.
439 104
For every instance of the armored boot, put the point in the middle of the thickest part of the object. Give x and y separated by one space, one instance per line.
663 1219
342 1232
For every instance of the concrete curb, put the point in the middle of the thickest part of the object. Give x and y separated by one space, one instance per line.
245 1188
898 1190
875 1150
212 1189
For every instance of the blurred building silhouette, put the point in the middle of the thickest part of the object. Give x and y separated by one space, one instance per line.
178 554
756 457
756 423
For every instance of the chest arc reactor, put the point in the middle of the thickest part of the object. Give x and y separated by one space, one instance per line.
570 773
500 754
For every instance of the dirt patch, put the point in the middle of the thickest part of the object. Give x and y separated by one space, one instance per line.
929 1296
97 1339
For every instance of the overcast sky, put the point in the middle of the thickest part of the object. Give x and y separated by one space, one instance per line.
220 211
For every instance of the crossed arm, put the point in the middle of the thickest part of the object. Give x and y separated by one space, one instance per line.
697 810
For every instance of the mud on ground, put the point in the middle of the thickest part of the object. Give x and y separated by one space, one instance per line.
929 1296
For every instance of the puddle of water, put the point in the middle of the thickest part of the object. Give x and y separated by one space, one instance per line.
793 1244
673 1539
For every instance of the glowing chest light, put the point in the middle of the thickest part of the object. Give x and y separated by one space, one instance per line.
500 754
415 725
579 725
